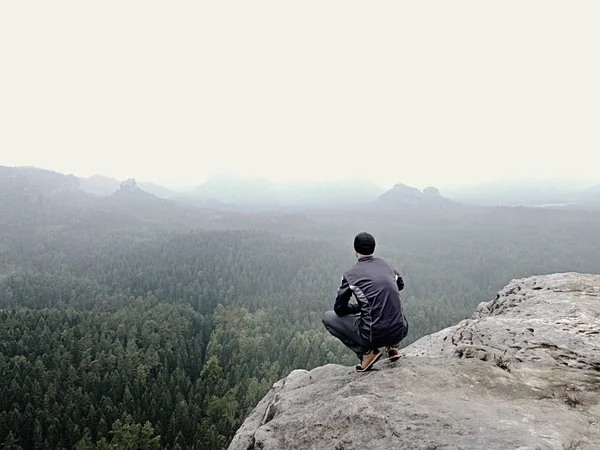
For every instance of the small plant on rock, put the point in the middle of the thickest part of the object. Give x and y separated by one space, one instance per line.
573 445
502 362
572 399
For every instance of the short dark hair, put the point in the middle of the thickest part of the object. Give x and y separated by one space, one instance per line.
364 243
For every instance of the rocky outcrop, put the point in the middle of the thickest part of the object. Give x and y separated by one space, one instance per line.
130 191
551 320
522 373
129 185
402 194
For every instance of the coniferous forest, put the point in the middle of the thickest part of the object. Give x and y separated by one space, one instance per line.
129 322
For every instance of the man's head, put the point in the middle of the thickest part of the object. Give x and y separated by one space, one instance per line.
364 244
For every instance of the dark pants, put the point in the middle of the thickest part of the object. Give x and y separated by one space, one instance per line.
347 330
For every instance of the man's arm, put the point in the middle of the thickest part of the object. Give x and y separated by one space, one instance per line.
399 281
342 307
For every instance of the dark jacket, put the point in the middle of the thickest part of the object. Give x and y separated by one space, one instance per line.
376 287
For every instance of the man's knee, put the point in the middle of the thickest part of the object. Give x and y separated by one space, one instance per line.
329 318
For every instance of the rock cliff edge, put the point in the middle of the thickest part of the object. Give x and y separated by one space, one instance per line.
522 373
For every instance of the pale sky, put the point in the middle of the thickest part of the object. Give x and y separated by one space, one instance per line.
422 92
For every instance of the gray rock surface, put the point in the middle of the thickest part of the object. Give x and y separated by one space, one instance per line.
522 373
551 320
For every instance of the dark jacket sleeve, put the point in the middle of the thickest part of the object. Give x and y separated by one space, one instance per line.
342 307
399 281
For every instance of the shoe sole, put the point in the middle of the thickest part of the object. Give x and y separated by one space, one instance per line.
360 369
395 357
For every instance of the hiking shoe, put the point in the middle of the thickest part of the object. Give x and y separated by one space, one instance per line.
393 354
368 359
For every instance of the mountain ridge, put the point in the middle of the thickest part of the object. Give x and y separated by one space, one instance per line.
230 191
102 186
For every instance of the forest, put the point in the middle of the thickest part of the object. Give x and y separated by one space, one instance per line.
134 323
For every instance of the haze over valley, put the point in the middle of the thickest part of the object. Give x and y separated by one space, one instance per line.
180 314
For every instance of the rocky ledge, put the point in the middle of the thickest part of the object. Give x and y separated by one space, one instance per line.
522 373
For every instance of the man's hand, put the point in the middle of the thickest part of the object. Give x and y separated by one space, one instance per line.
342 307
399 281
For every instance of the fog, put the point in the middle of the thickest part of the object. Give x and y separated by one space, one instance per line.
442 93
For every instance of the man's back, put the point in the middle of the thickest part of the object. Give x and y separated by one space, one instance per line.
375 285
378 319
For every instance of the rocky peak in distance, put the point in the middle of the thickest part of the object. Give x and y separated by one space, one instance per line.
129 185
402 194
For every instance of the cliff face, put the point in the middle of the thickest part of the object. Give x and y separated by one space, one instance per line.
522 373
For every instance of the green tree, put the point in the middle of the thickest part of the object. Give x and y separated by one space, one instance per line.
11 442
133 436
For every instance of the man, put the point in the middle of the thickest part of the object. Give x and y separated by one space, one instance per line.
377 319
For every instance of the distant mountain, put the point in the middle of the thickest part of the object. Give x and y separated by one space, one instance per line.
236 190
517 193
336 192
133 196
130 190
156 189
232 189
233 193
408 195
99 185
38 180
102 186
133 201
30 196
555 195
26 188
51 181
